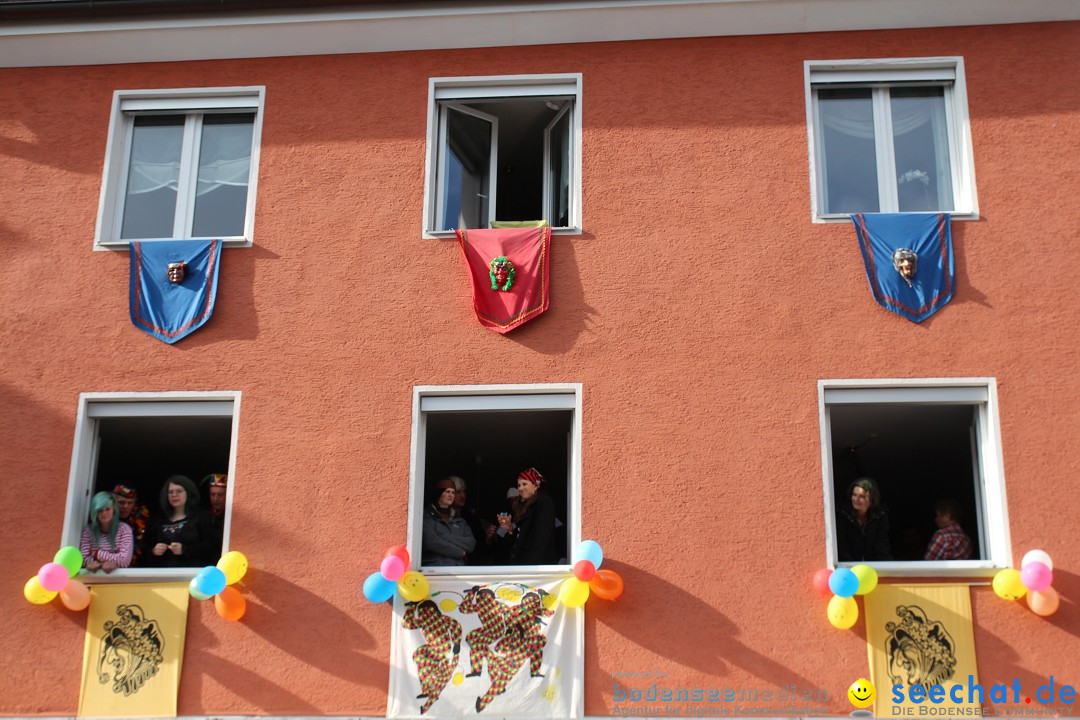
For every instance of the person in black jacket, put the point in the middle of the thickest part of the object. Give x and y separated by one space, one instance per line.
534 527
183 538
862 524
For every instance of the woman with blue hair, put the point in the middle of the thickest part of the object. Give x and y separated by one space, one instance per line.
106 542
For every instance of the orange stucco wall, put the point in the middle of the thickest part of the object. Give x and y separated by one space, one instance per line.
698 309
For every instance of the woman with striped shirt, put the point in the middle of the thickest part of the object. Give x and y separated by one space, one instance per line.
106 542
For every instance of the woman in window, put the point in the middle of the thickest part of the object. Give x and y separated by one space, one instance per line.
447 537
183 538
862 525
106 542
534 524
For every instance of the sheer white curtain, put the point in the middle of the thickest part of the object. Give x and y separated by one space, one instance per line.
225 158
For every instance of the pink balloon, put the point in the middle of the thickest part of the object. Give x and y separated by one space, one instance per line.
392 567
53 577
821 582
1035 576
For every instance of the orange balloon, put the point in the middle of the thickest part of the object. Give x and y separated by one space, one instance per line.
1044 603
606 584
75 596
230 604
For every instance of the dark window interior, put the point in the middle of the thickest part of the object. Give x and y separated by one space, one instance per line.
918 454
488 450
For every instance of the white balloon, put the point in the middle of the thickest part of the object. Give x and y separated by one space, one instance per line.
1037 556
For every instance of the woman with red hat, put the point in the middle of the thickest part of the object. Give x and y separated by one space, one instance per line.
534 534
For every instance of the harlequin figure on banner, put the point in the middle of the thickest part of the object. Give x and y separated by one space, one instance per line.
441 636
493 616
523 641
135 514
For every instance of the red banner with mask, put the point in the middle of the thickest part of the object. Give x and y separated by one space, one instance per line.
510 273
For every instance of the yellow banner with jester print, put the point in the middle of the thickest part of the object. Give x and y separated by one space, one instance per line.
919 637
134 649
479 647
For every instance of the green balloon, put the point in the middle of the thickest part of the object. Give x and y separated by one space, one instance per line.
70 557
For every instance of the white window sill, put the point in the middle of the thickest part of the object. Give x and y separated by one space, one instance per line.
499 571
846 217
137 575
930 569
449 234
124 245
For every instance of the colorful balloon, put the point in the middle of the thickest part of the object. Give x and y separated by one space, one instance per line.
234 564
607 584
1044 602
1008 585
195 592
821 582
584 570
378 589
590 550
843 612
75 596
230 604
868 578
36 594
70 557
413 586
843 583
392 568
1029 557
400 552
573 592
53 576
1035 576
210 581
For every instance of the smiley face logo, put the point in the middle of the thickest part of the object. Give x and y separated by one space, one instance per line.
862 693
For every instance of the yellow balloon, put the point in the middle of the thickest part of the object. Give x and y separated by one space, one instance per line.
448 606
867 578
234 565
550 601
843 612
413 586
573 592
1008 586
36 594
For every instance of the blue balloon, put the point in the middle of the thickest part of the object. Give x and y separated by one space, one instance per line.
210 581
590 550
843 582
378 589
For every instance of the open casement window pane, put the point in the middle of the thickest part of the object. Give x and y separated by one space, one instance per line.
157 143
921 143
557 168
466 165
848 154
222 177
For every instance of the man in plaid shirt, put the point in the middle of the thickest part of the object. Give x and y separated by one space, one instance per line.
950 542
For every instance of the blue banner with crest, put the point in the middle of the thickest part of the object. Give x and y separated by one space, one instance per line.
173 286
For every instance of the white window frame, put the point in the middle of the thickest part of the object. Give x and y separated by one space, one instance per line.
95 405
459 398
494 87
980 393
126 105
880 75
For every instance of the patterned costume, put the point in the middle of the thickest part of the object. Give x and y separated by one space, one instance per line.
524 640
949 543
441 635
493 616
138 520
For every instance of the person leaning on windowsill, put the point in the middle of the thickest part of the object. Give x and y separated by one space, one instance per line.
447 537
862 524
106 543
183 538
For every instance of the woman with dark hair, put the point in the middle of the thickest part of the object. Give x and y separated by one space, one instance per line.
533 529
862 524
447 537
106 542
182 538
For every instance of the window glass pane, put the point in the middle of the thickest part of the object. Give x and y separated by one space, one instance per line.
921 144
848 157
224 168
468 159
559 164
150 200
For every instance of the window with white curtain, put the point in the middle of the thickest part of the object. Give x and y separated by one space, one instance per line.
181 164
889 136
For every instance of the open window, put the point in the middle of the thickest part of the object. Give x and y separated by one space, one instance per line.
139 440
503 149
486 435
922 442
181 164
889 136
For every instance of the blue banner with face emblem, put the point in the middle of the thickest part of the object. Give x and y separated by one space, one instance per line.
909 261
173 286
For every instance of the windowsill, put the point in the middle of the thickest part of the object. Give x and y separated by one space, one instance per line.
124 245
846 217
450 234
137 575
932 569
497 571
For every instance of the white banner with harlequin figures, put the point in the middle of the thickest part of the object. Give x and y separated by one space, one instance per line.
480 646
